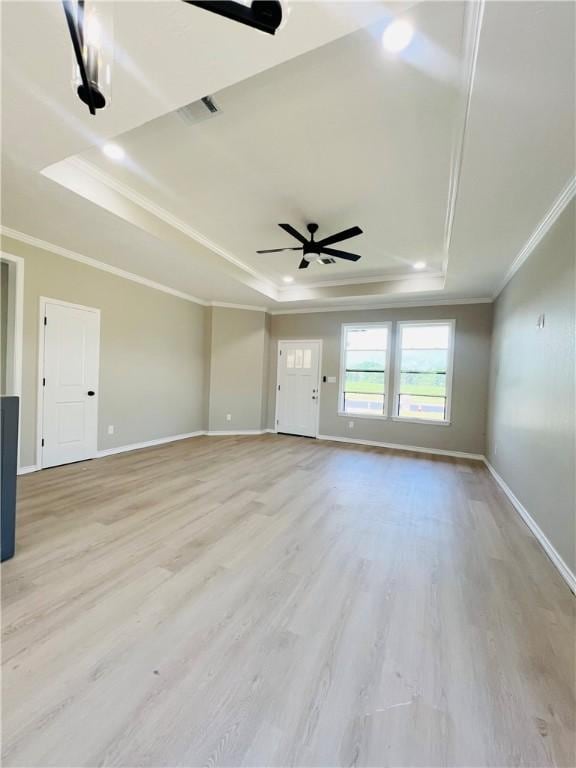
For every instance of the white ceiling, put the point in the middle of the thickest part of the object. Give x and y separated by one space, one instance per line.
339 136
317 124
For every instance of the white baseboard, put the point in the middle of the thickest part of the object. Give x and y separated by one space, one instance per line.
401 447
147 444
231 432
159 441
27 470
543 540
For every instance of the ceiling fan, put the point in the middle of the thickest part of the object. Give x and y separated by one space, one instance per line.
316 250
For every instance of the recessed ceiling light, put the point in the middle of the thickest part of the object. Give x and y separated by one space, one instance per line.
288 279
419 265
397 36
113 151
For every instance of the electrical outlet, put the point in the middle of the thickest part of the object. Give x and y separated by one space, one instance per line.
228 417
350 425
111 429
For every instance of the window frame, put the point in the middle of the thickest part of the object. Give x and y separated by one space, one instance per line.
449 371
387 372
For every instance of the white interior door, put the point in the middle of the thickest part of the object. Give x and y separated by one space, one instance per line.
298 390
70 383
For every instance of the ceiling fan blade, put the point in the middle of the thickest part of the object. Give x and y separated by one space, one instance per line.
278 250
344 235
294 232
341 254
304 264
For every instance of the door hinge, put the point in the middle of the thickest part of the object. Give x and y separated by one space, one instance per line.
43 382
280 353
278 387
42 442
45 320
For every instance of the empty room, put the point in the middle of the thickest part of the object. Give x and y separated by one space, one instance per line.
287 372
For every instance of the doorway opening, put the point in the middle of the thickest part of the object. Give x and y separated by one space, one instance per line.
11 319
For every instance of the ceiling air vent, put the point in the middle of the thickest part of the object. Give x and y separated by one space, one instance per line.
198 111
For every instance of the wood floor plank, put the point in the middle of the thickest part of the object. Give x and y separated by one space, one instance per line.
278 601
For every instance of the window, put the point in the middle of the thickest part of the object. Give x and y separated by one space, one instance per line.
299 358
364 369
424 371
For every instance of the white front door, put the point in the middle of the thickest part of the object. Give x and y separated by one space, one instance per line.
69 383
298 389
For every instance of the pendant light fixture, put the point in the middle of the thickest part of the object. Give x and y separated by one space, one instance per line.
264 15
90 27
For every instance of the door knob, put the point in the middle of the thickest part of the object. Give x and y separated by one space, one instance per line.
91 393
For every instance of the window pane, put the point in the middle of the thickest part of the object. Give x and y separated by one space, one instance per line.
364 382
366 361
290 360
423 384
307 358
367 405
422 360
425 336
421 407
366 338
298 363
423 378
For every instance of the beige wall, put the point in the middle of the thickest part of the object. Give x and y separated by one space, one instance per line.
151 351
470 384
238 369
532 414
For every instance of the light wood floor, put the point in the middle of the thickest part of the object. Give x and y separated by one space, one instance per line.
277 601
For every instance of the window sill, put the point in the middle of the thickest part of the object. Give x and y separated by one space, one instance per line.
431 422
362 416
401 419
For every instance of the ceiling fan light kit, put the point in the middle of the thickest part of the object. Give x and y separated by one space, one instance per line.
317 250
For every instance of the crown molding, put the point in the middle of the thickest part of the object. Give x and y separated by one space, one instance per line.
227 305
369 307
74 256
161 213
471 46
552 215
362 280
